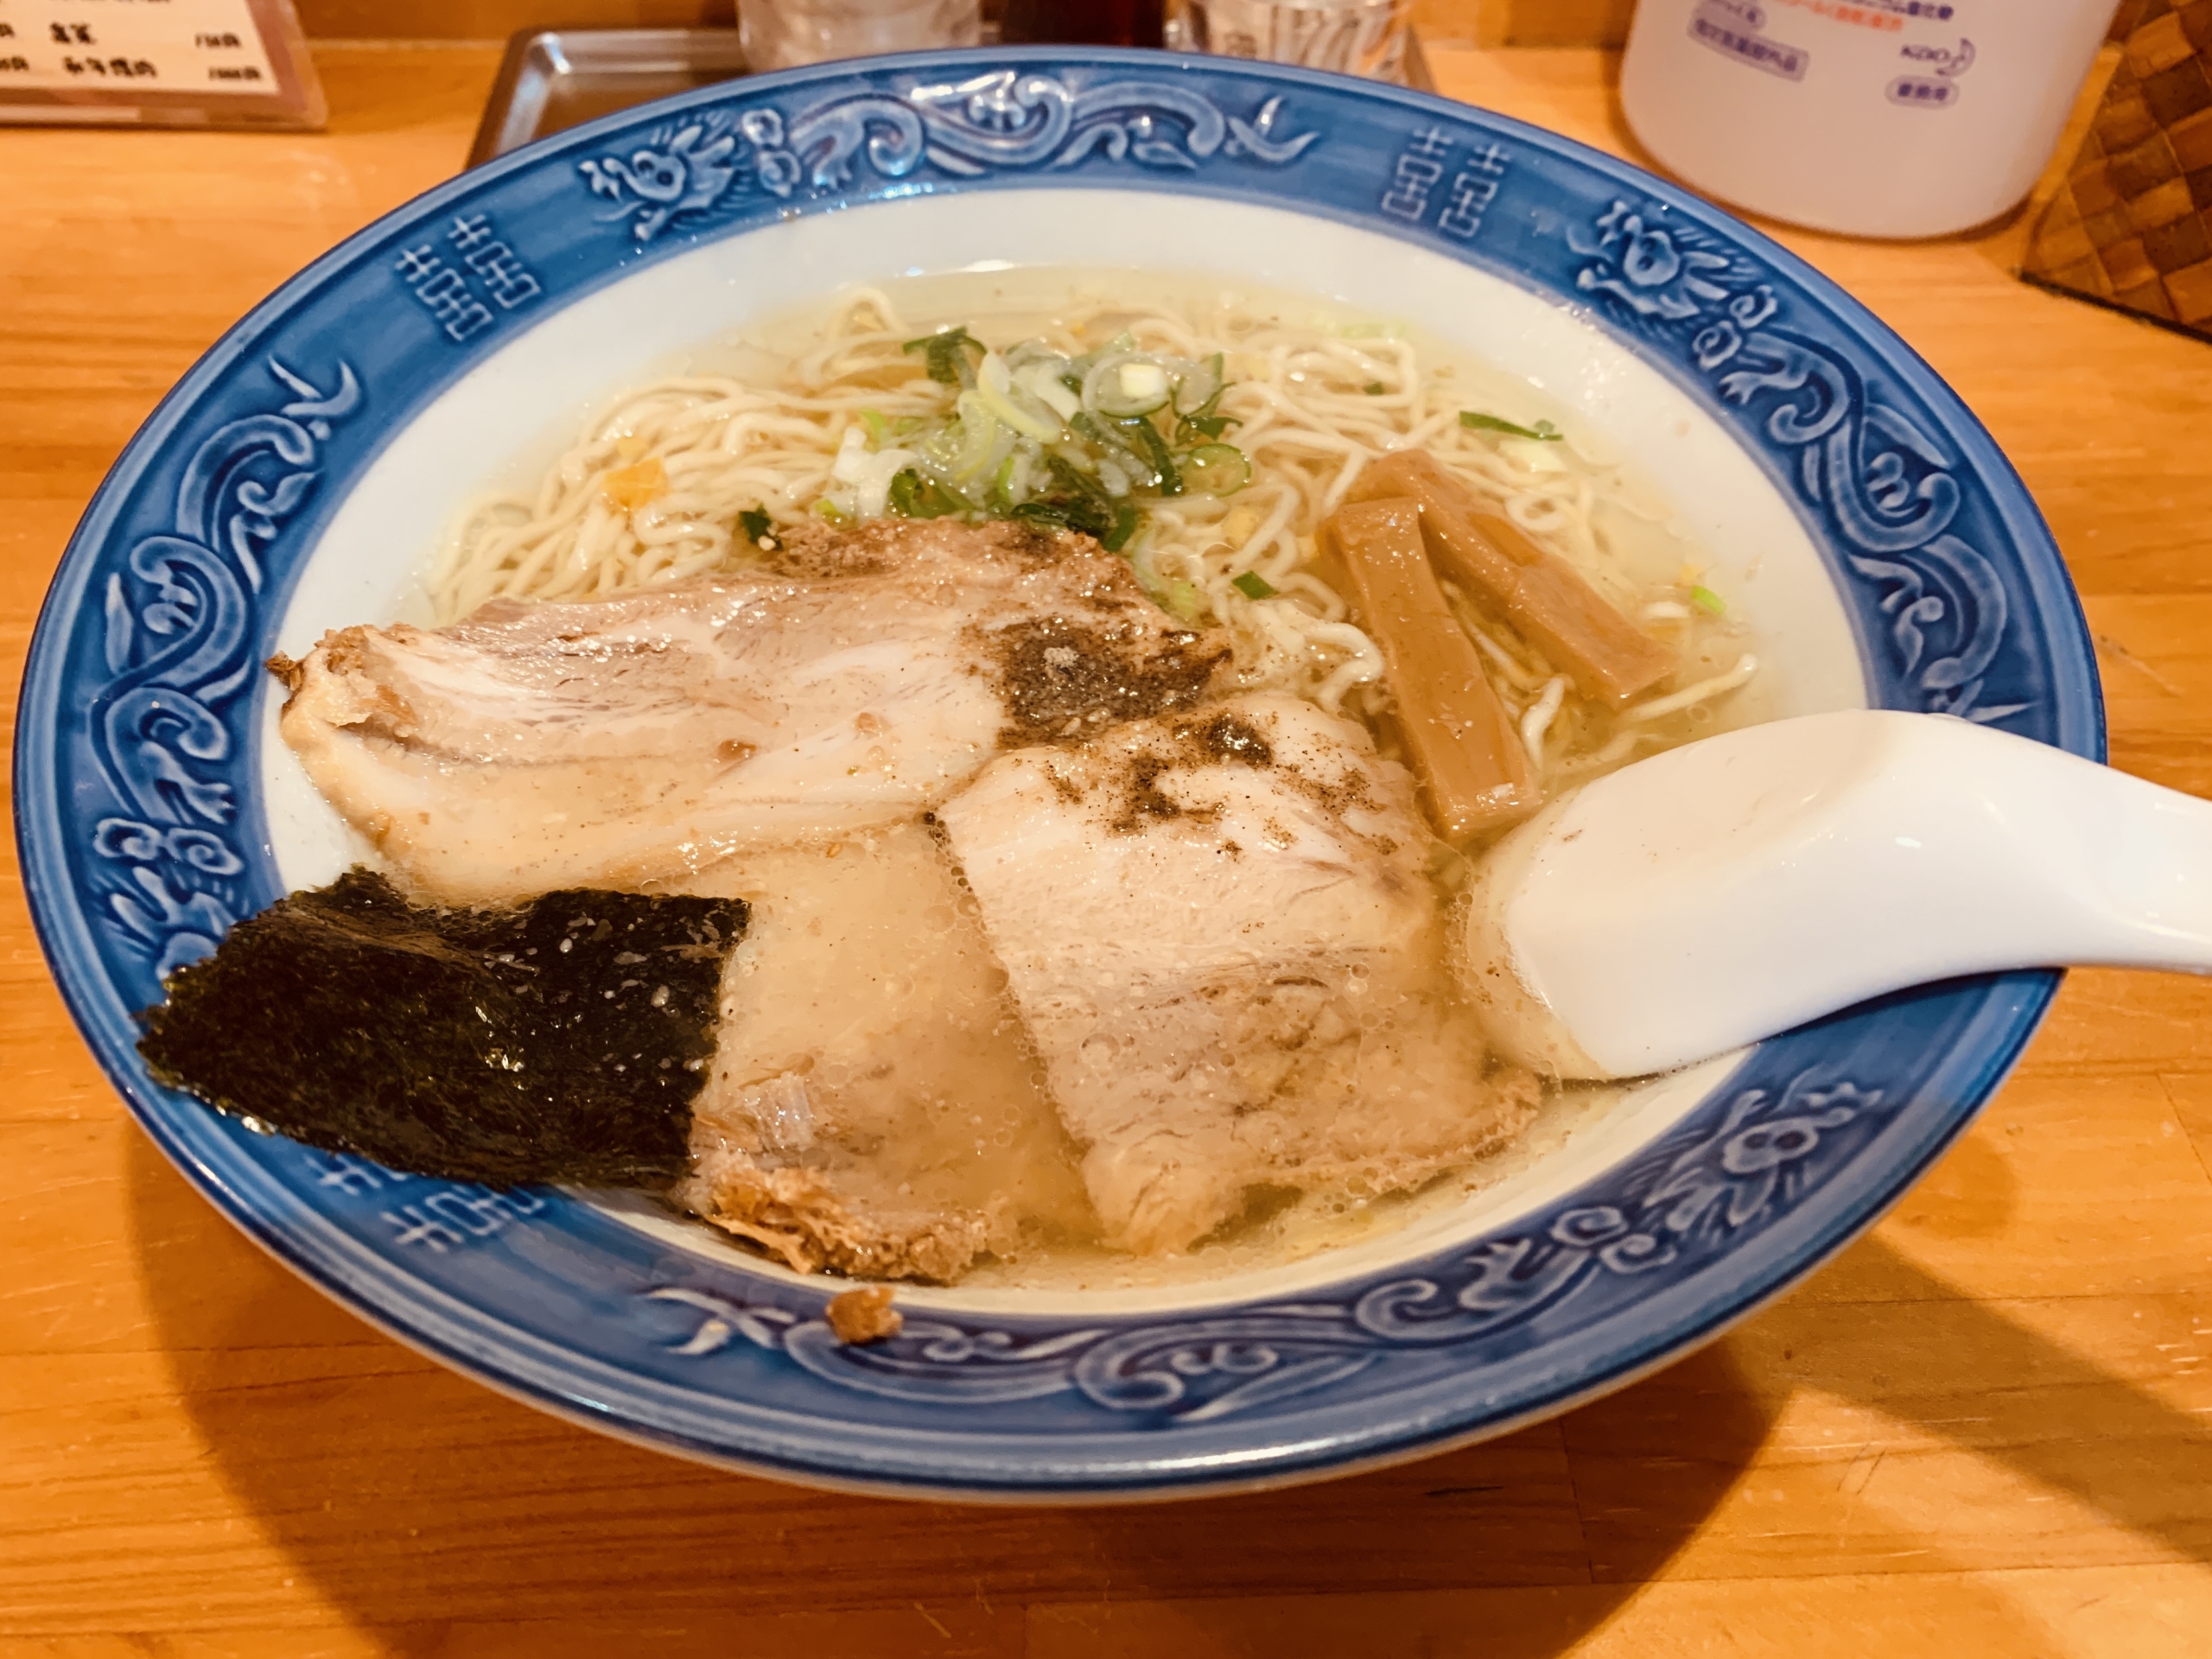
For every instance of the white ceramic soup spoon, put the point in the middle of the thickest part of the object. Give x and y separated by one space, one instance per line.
1737 886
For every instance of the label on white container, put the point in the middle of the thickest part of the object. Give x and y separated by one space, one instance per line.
1888 117
1929 79
1734 27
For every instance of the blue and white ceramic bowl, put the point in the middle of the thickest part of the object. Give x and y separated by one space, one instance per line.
297 476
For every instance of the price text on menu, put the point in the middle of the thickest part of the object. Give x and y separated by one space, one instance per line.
199 47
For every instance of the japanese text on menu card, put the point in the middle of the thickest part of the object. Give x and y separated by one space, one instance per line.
202 47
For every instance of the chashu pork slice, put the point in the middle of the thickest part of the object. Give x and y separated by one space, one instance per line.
610 741
1220 933
873 1106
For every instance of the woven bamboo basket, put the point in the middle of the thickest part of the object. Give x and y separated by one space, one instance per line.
2131 227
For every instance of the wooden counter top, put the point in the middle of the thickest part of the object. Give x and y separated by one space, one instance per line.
1986 1429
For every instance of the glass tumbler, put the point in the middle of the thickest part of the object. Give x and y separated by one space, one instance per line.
783 33
1354 37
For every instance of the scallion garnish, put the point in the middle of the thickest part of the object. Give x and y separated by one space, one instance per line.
1216 469
945 355
1075 501
1708 601
759 529
1165 476
1542 432
1084 443
1204 422
912 496
1253 585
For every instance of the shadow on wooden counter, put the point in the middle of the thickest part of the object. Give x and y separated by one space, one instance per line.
422 1506
414 1498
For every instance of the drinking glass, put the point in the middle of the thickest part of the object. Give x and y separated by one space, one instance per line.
1354 37
782 34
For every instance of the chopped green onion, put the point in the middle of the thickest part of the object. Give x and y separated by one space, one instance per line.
979 438
1002 485
991 389
1209 381
758 527
1124 384
1375 388
1203 421
1253 585
1708 601
1105 438
1182 599
829 510
912 496
945 355
1139 425
1156 454
1542 432
1216 469
1069 476
1110 527
1077 501
1141 388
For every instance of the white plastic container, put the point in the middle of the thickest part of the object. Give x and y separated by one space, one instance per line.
1876 118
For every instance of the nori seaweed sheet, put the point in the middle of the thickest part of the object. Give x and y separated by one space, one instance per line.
562 1041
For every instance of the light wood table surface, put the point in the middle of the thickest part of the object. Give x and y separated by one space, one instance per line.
1986 1429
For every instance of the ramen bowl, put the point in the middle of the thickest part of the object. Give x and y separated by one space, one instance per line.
298 476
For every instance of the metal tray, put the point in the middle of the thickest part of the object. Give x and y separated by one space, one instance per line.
554 79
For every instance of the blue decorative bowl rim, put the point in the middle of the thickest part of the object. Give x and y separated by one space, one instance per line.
139 827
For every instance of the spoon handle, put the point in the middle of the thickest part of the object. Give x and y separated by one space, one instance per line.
2136 862
1733 888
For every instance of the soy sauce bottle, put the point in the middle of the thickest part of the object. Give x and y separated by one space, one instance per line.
1091 23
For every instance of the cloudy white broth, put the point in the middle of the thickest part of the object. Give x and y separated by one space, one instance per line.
1096 683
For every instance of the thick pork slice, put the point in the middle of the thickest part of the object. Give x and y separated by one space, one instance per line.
1220 933
871 1106
610 741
